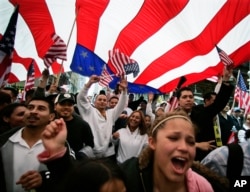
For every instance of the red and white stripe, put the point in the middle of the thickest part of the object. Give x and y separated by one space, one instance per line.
166 46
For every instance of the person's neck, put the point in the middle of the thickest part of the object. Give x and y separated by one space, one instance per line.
68 118
162 184
32 135
188 111
102 111
224 114
132 129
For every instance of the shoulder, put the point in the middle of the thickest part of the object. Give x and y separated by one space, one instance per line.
217 156
122 130
130 163
79 119
5 136
203 174
220 151
197 182
131 167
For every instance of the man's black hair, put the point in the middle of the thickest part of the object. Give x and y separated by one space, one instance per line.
179 91
45 99
29 93
208 95
4 98
12 89
113 97
102 92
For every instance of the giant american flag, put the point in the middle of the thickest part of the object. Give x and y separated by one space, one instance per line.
168 39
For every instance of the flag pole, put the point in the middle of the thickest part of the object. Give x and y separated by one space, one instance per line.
70 35
237 79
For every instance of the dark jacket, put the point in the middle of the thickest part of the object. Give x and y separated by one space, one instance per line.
142 180
203 117
137 179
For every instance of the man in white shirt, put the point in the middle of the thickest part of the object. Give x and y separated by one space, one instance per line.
19 168
101 120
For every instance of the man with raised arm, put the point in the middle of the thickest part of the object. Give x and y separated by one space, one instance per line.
101 120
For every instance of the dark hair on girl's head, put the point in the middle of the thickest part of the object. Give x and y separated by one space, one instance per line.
13 90
142 125
160 121
4 98
8 110
90 175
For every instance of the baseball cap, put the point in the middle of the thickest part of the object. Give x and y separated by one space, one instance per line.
237 109
63 97
157 108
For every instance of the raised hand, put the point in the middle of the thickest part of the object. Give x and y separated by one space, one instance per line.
123 83
92 79
54 136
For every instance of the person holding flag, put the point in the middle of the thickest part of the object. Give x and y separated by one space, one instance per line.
101 120
6 48
203 116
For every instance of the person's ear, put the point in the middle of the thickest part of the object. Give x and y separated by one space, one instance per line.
151 143
52 117
6 119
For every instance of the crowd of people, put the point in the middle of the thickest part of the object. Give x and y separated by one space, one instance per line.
58 141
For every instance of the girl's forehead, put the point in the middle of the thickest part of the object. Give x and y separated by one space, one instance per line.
179 123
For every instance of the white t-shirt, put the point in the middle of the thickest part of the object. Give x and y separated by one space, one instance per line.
24 159
130 144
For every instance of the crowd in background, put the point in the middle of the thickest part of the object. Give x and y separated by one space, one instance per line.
59 141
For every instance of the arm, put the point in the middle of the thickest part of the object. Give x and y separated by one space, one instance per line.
83 103
115 137
241 136
206 145
88 145
123 100
57 154
149 110
134 104
223 95
53 156
40 90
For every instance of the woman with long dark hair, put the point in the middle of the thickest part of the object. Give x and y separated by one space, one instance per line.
132 139
11 116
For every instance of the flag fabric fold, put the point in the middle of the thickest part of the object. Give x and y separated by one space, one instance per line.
241 94
153 38
6 48
142 31
58 50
